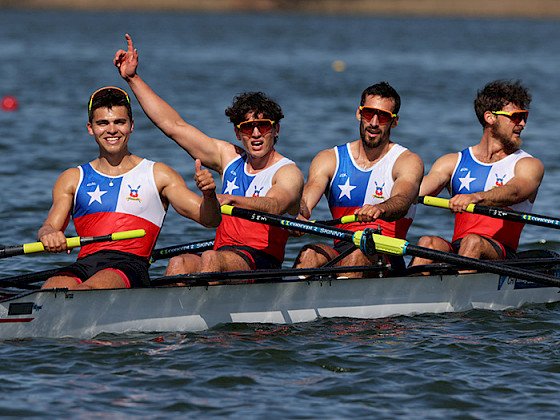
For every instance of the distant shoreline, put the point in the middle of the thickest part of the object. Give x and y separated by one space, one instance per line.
538 9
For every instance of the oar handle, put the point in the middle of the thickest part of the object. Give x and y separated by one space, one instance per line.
496 212
351 218
367 241
74 242
441 202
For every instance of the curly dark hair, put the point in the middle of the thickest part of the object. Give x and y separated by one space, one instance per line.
385 90
497 94
253 102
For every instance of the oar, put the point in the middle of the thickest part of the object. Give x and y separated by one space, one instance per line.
496 212
172 251
10 251
351 218
158 254
370 242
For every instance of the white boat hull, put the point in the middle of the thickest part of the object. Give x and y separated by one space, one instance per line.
85 314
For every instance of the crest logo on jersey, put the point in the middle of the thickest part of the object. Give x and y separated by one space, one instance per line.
134 194
499 180
379 191
257 191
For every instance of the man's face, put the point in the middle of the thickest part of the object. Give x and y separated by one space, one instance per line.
507 130
257 134
111 127
374 132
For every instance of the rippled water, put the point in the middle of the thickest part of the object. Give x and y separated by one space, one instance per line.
471 365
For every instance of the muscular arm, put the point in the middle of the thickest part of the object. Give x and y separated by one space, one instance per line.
407 173
212 152
321 172
439 176
204 210
283 197
51 234
523 186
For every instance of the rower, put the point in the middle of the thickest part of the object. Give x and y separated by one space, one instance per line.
372 178
495 172
118 191
254 176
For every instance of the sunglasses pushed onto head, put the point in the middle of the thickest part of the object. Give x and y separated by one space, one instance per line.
106 91
384 116
264 125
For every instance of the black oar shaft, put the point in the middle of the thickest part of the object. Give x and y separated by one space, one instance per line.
496 212
473 263
172 251
292 224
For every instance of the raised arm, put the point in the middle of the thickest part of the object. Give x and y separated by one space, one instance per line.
407 174
204 210
283 197
212 152
51 234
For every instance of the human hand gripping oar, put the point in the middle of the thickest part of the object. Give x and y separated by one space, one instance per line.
496 212
370 243
10 251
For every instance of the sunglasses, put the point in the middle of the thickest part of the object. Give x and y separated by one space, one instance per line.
383 115
516 116
247 127
105 91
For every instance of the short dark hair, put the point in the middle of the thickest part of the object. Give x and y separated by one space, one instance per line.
255 102
497 94
385 90
109 97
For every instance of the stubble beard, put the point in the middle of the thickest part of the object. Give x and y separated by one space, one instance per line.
372 144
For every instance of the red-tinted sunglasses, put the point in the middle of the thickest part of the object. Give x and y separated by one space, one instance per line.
516 116
383 115
247 127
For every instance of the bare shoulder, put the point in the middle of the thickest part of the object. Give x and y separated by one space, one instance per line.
70 177
289 171
325 161
165 175
529 165
445 163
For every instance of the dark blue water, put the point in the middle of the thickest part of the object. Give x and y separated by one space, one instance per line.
472 365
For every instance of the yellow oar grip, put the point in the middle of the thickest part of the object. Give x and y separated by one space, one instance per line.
129 234
443 203
33 247
227 209
387 245
383 244
348 219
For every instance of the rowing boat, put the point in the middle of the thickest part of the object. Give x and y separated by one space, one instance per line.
273 296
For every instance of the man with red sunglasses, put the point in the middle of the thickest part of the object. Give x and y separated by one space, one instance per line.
115 192
372 177
254 176
494 172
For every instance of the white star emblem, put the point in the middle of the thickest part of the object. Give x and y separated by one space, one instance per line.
231 186
466 182
345 189
96 195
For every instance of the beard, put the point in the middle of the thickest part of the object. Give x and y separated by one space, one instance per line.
370 143
510 144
